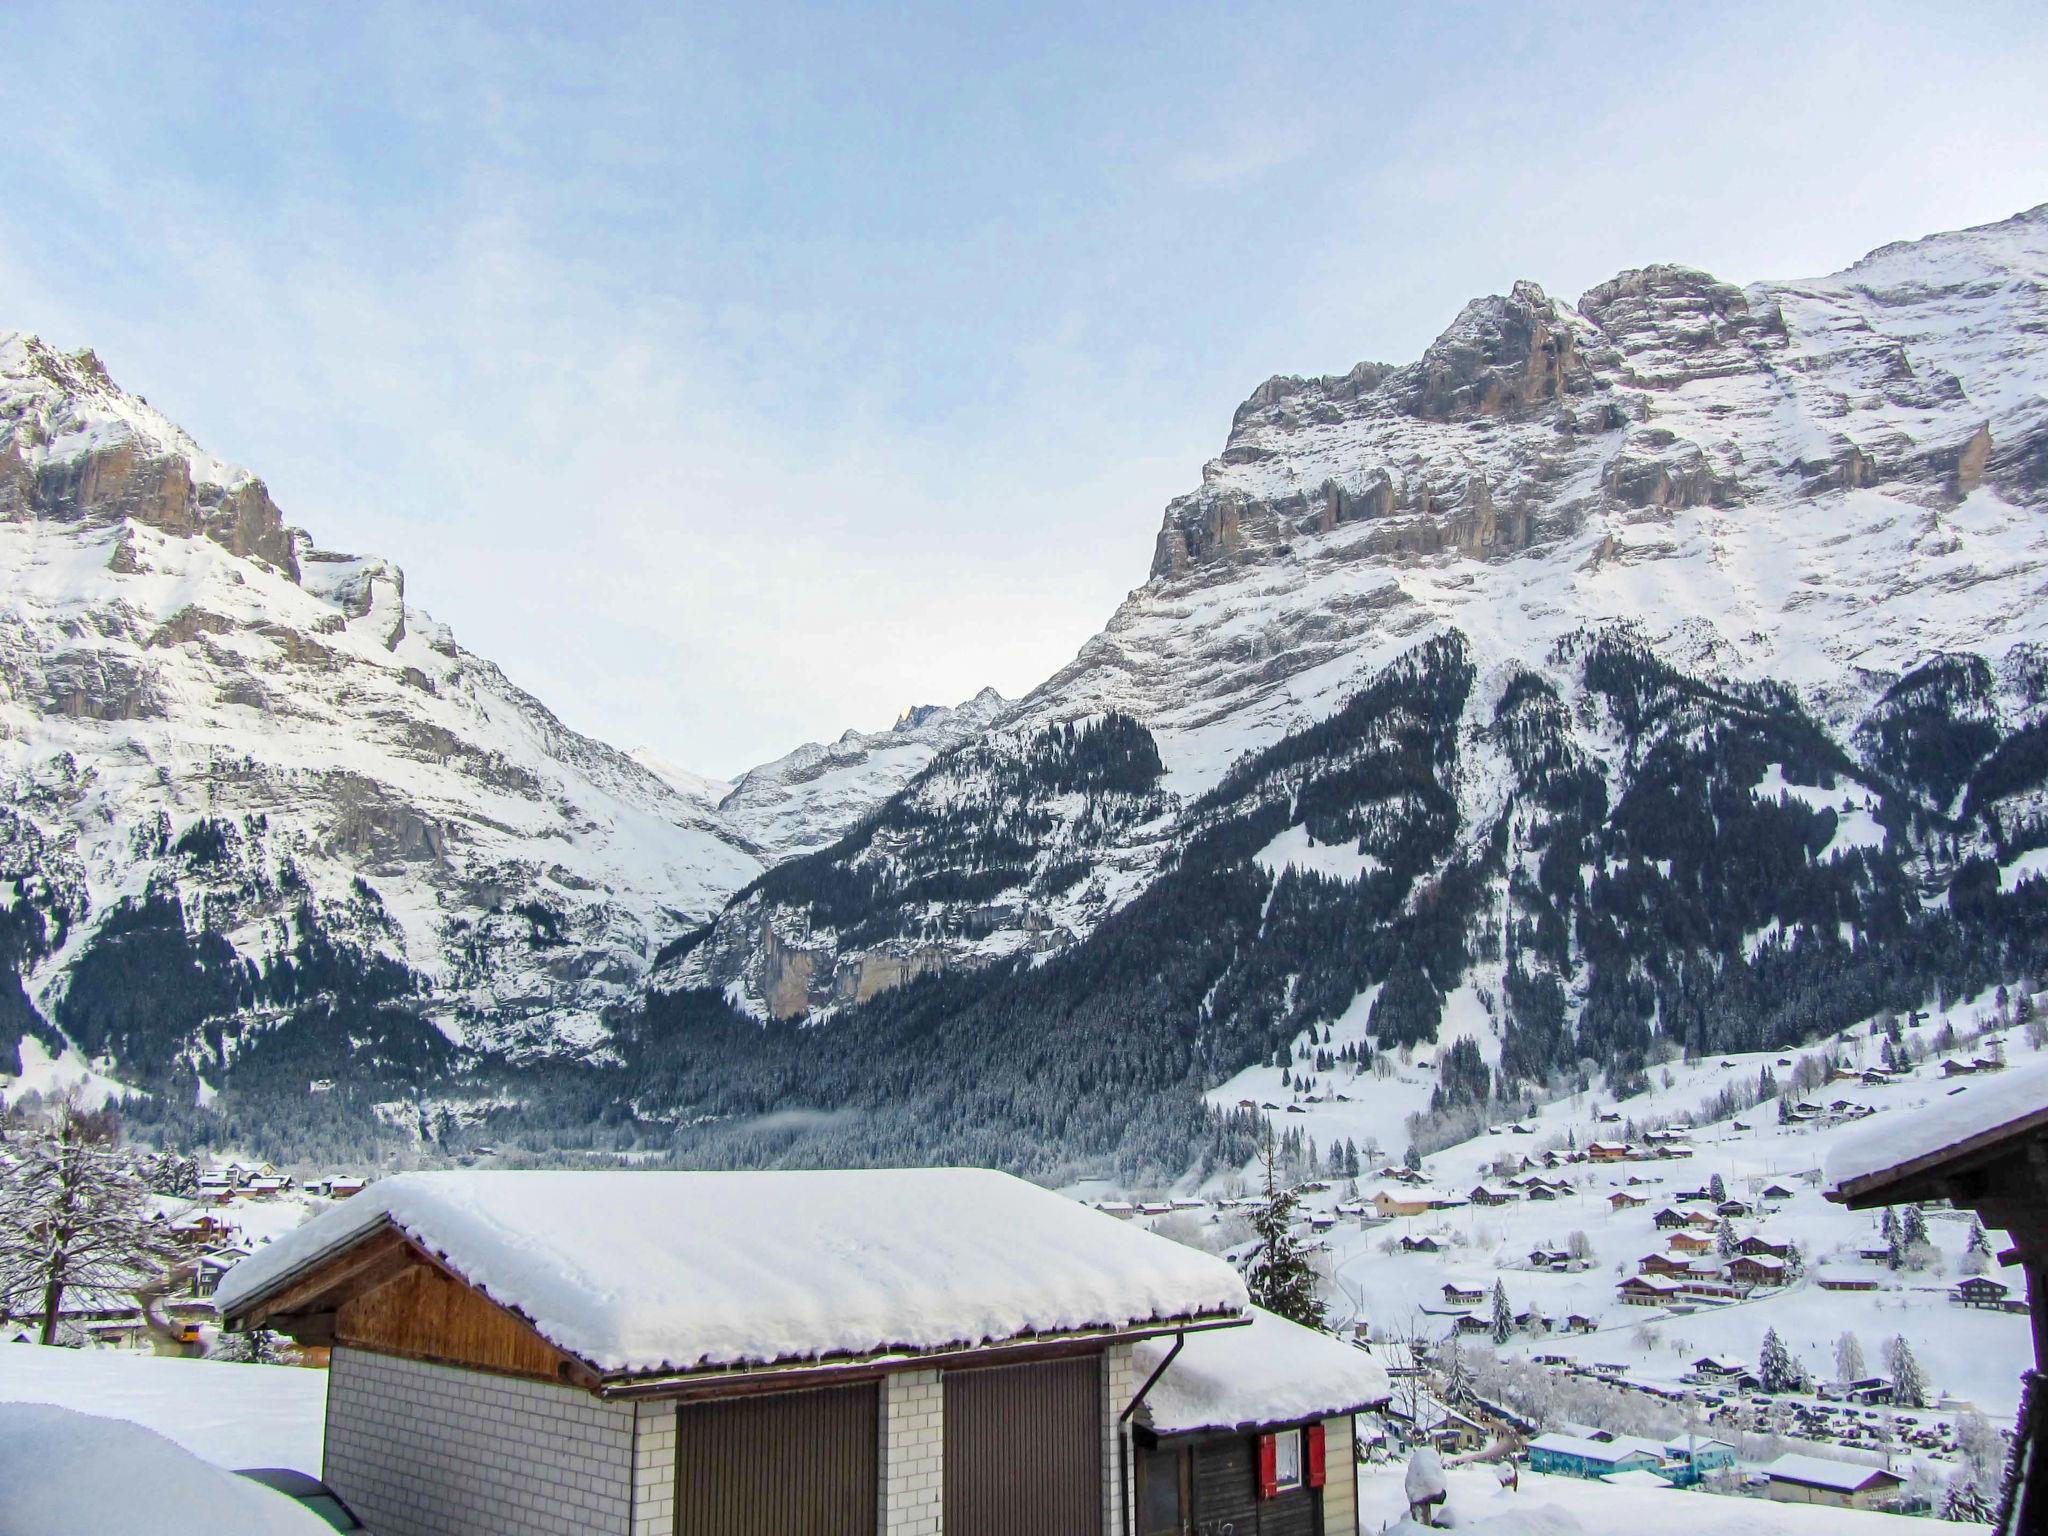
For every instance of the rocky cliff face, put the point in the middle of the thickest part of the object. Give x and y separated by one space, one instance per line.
1816 488
255 808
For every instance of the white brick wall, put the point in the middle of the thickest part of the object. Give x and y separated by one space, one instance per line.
913 1423
435 1450
654 1470
1120 1383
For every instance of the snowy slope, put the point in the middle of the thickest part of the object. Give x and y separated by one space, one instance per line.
202 707
1804 490
1819 482
807 797
1976 1355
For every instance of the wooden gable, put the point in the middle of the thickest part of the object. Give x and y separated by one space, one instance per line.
425 1313
387 1294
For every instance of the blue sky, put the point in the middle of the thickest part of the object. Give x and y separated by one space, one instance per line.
735 376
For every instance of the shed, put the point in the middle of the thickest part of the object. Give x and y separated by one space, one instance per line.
727 1354
1252 1429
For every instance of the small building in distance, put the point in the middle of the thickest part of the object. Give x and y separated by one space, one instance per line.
1570 1456
1981 1291
1844 1485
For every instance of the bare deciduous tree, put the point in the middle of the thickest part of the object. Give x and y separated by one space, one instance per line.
74 1216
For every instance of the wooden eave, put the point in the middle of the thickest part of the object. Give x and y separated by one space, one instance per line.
1917 1177
1210 1433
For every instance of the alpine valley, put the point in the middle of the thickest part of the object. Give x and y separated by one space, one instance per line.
1664 672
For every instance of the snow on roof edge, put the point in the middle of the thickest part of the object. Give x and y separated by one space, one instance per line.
862 1265
1980 1108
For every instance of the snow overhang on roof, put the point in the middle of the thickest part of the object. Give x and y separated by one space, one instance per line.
1817 1472
1273 1373
656 1274
1879 1165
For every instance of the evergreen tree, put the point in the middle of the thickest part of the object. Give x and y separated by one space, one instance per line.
1718 1188
1724 1239
255 1346
1980 1240
1503 1314
1913 1230
1963 1499
1279 1277
1775 1365
1849 1359
1888 1228
1909 1386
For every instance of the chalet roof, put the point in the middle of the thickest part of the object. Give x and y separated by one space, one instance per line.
1816 1472
1613 1454
645 1272
1968 1120
1274 1372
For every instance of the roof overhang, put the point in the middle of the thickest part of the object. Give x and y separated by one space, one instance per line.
1946 1172
1208 1432
315 1288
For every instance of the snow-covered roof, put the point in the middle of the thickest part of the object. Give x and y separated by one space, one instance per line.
1593 1450
1980 1110
637 1272
1820 1473
1636 1477
1274 1372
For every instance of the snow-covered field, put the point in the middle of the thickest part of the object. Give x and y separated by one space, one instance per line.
234 1415
1570 1506
253 1415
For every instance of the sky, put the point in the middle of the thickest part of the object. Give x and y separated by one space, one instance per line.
732 376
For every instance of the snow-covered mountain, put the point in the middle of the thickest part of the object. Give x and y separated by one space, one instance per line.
1667 669
806 798
1806 488
253 804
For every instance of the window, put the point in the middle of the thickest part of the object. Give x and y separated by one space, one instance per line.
1287 1459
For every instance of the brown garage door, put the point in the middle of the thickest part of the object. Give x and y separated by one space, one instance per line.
792 1464
1024 1450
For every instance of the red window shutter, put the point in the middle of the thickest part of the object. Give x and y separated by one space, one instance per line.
1269 1478
1312 1453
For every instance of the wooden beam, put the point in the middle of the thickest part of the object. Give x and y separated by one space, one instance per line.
374 1259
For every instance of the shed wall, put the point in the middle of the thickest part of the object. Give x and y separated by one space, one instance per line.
440 1450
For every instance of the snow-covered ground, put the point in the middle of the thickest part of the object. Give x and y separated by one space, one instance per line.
233 1415
1570 1506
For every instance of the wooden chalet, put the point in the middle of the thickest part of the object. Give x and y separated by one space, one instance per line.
1668 1220
708 1354
1622 1200
1690 1242
1463 1294
1649 1290
1985 1149
1758 1269
1981 1291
